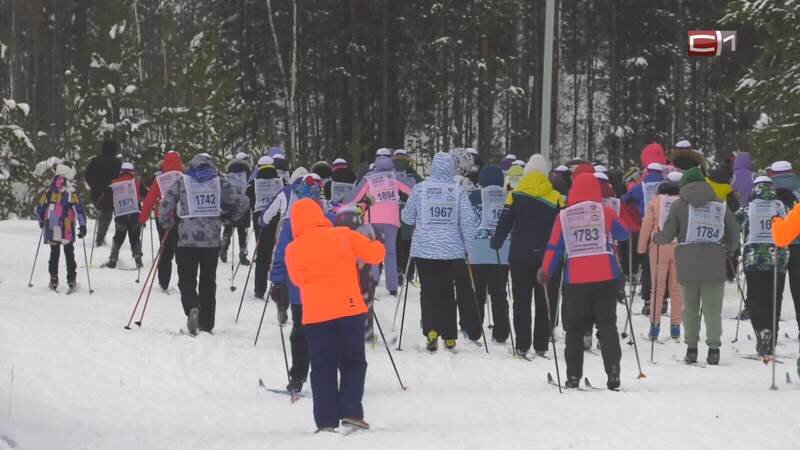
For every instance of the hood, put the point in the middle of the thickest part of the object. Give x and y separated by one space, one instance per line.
298 173
267 173
720 175
581 169
668 188
322 168
743 162
765 191
237 165
306 215
109 147
653 153
536 184
491 175
344 175
585 188
463 161
201 168
401 163
697 193
443 167
685 159
537 163
787 180
721 190
383 164
172 161
304 190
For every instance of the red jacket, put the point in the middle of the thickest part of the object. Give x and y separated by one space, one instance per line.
172 161
322 262
585 269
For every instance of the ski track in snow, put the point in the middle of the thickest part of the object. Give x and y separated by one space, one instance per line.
83 382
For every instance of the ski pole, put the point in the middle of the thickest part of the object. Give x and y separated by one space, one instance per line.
388 351
552 336
475 301
94 240
633 337
774 387
741 302
283 346
141 292
508 292
403 319
152 258
152 279
36 257
630 284
405 288
86 263
654 305
263 312
247 280
233 253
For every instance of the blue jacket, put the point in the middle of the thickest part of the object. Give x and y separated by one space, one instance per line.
440 243
636 192
482 253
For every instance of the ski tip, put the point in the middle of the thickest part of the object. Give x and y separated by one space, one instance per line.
138 323
127 327
261 383
641 375
549 377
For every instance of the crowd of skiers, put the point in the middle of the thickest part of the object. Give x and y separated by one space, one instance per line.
325 237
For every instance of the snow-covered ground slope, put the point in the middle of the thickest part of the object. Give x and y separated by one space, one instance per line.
80 381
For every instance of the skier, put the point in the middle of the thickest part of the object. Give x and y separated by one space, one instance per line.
198 202
383 188
508 160
284 291
445 225
528 218
513 176
662 259
324 170
582 235
759 256
261 192
127 193
342 182
490 267
403 164
743 176
707 234
171 170
787 184
561 179
103 169
684 156
280 203
236 172
59 210
322 261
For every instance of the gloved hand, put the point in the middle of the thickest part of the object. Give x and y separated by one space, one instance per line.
542 277
275 295
369 199
41 225
81 231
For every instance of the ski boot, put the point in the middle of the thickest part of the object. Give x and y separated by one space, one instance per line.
541 354
54 283
223 254
72 284
664 307
573 383
713 356
393 293
243 260
138 260
193 322
744 315
450 344
433 341
655 330
646 309
355 422
691 356
613 382
675 331
587 341
326 430
111 264
295 385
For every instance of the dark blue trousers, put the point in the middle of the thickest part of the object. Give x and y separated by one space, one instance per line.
337 345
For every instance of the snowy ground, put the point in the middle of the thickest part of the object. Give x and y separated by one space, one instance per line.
80 381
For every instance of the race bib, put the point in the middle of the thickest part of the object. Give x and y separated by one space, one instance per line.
203 197
265 191
166 180
125 199
760 214
613 203
664 208
706 223
584 230
493 199
383 186
650 189
440 204
237 180
340 191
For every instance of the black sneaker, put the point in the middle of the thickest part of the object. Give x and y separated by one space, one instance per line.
139 263
223 256
72 284
53 283
587 341
295 385
713 356
111 264
691 356
613 382
164 288
646 309
763 342
193 322
243 260
573 383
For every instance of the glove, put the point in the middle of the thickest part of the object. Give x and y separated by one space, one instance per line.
369 199
41 225
542 277
275 295
81 231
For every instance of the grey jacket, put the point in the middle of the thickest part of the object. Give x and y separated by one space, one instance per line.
697 263
201 231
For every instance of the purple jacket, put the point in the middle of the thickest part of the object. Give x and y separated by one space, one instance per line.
743 176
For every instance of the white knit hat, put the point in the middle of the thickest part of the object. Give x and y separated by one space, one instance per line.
518 162
601 176
383 152
65 171
127 166
781 166
762 179
264 161
537 163
600 168
675 176
339 161
471 151
683 144
243 156
562 168
400 152
279 156
658 167
510 156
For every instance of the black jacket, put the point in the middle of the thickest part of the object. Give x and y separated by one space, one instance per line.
103 169
529 220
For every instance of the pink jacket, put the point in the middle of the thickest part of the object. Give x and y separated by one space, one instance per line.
387 212
663 272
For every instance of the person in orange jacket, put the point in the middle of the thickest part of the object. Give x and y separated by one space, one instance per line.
786 229
322 261
171 169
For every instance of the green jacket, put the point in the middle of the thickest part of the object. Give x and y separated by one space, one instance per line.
758 257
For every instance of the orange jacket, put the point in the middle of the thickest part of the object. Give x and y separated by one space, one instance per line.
785 230
321 261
